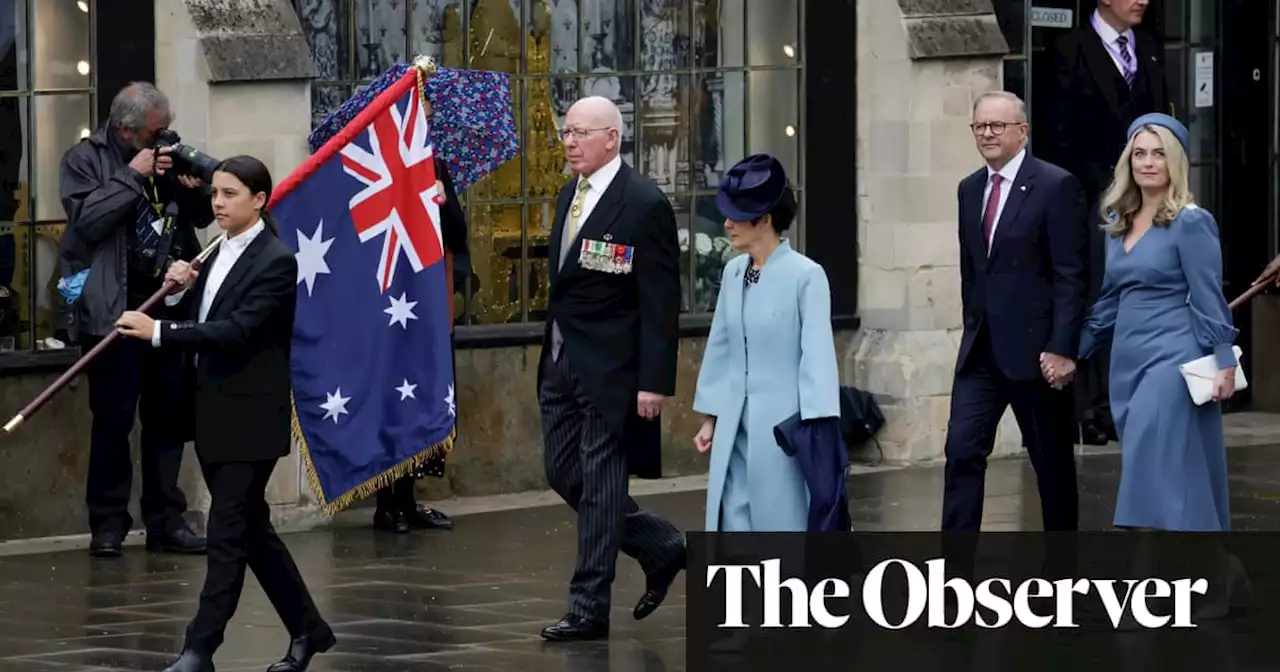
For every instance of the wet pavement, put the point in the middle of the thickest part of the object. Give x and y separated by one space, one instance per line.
473 598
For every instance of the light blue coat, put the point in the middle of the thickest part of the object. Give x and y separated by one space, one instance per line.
771 357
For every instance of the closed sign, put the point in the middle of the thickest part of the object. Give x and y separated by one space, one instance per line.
1052 17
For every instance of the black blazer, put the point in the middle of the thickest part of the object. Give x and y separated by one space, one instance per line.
1090 105
1030 292
621 331
236 382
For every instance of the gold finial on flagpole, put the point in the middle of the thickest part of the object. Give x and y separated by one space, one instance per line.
426 65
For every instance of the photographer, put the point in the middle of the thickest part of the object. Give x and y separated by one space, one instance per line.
129 217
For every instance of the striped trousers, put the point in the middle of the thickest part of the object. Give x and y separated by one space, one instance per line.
586 465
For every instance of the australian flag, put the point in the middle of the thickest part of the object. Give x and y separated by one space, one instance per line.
372 359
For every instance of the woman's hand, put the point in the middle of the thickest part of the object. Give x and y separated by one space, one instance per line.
1224 384
181 273
136 324
702 440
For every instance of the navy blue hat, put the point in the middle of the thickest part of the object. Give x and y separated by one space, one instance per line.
1156 119
751 188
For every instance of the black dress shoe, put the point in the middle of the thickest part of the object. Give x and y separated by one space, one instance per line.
656 587
573 628
181 541
1090 435
423 518
390 520
302 650
106 545
190 661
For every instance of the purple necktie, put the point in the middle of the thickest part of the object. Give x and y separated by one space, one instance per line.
1130 70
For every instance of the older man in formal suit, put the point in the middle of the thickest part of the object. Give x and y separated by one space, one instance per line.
608 364
1106 74
1022 291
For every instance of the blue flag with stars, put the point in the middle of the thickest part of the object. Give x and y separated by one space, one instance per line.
372 358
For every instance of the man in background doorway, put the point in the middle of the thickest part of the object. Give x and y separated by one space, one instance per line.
1105 76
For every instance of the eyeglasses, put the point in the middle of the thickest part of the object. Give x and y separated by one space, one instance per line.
997 127
580 133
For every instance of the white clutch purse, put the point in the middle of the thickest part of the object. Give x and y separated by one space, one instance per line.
1199 374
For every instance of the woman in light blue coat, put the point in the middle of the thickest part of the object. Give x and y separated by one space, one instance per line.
770 354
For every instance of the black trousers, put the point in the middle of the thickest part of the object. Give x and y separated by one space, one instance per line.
132 379
399 496
586 465
240 536
979 397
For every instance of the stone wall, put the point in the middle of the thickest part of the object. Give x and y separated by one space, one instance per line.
921 64
238 74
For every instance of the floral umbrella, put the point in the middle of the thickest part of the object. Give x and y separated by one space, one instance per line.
472 126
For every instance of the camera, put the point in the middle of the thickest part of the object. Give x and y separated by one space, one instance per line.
187 160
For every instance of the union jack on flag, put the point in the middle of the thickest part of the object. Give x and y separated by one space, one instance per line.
372 358
398 201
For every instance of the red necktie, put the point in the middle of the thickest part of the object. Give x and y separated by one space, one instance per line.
993 204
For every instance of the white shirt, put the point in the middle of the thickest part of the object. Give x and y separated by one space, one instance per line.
1009 173
1110 38
599 181
229 252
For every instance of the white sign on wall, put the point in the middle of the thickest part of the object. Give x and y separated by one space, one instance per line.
1052 17
1204 79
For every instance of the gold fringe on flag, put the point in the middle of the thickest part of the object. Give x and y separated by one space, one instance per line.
372 485
425 68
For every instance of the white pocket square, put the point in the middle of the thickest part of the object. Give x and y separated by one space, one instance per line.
1199 375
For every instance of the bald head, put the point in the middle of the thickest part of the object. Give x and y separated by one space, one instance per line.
592 134
599 111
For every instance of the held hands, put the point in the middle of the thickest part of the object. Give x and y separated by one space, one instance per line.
649 405
136 324
181 273
1271 272
1057 370
1224 384
702 440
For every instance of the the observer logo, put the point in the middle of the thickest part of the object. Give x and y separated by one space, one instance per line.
1034 603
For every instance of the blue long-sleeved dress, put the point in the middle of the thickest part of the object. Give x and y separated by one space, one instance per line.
1162 306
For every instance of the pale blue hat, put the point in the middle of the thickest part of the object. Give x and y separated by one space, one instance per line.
1157 119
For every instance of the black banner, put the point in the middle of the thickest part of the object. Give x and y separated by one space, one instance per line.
1145 601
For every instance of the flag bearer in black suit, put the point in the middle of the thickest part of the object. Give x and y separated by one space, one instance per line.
1106 75
608 364
236 383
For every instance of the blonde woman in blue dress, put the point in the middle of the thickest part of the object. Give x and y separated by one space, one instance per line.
770 354
1162 306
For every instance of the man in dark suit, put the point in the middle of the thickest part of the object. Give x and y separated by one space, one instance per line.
1022 288
1105 76
608 363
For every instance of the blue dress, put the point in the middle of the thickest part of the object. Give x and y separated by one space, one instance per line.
770 354
1162 306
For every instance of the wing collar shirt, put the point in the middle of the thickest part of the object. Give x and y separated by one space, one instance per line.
229 252
599 181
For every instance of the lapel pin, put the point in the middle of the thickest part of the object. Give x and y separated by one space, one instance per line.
608 237
1023 187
